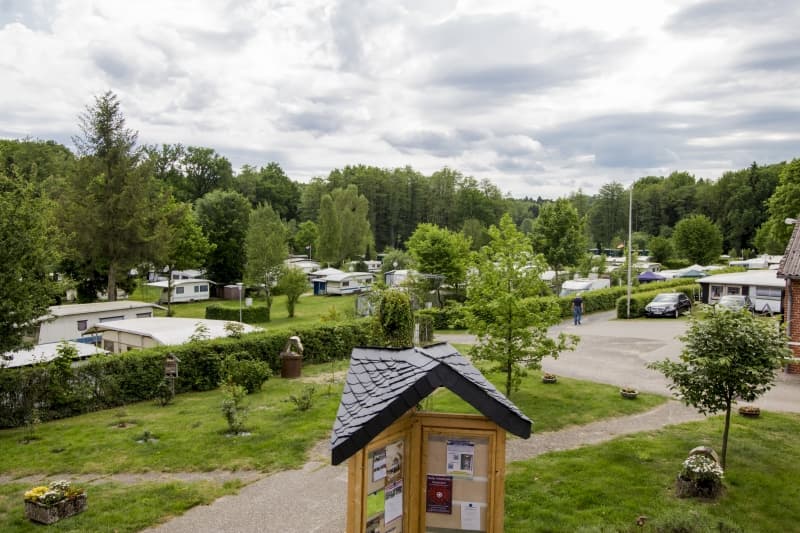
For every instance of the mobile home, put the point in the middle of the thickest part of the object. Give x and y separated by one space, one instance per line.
70 322
183 290
763 287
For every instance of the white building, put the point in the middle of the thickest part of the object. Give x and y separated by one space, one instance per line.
71 322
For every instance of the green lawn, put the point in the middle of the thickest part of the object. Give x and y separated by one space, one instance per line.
307 311
189 435
607 487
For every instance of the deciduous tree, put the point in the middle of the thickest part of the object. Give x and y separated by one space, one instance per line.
27 254
558 235
698 239
441 252
728 356
224 216
266 249
292 283
511 326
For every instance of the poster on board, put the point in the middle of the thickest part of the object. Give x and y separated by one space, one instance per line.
394 461
471 516
378 464
461 457
394 501
439 494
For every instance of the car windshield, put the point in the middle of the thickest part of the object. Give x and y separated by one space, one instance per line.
666 298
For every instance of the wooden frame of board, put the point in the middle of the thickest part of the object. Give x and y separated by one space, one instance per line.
426 438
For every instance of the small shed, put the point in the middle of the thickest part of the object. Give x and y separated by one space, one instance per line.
406 465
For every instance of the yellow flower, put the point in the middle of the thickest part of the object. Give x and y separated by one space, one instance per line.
35 493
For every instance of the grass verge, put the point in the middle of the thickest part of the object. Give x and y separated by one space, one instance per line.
115 507
608 487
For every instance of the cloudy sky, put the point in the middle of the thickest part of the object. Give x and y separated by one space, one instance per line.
540 97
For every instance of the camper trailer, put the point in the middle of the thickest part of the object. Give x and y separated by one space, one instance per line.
183 290
574 286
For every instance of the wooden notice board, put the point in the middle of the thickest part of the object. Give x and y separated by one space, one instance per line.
429 472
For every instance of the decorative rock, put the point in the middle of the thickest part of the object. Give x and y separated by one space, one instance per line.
708 451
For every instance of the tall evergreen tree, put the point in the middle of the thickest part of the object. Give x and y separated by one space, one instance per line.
113 208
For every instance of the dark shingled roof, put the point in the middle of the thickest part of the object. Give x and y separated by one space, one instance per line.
790 264
384 383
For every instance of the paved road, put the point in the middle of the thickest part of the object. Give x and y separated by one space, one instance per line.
611 351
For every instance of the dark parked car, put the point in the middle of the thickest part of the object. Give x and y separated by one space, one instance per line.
668 304
736 302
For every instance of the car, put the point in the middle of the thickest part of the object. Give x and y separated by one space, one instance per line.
668 304
736 302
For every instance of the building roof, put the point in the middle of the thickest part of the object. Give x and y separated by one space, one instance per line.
384 383
790 264
765 278
164 284
341 276
325 272
169 330
42 353
97 307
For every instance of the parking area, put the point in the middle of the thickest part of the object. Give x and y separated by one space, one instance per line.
617 351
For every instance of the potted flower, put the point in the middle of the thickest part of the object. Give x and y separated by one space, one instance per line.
701 476
47 504
549 378
793 366
629 392
750 411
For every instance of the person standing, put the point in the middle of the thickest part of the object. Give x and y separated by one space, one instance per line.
577 309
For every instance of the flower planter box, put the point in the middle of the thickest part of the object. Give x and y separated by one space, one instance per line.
549 379
49 514
750 412
629 395
793 367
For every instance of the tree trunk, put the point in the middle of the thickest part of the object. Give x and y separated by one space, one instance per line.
724 453
111 290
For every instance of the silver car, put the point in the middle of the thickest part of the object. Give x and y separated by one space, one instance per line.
736 302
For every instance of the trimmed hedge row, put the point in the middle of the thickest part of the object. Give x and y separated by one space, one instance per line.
641 299
255 314
41 392
452 316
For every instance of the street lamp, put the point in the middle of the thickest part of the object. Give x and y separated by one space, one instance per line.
630 248
240 300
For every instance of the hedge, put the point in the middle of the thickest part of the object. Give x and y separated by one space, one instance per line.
641 299
254 314
453 316
106 381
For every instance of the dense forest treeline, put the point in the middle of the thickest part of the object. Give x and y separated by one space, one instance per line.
117 205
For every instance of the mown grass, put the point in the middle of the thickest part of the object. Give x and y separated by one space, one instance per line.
555 406
608 487
307 311
115 507
188 435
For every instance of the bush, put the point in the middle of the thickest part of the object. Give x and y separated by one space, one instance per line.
255 314
248 373
112 380
233 410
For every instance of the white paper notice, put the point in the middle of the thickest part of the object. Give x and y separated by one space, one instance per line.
471 516
461 457
394 501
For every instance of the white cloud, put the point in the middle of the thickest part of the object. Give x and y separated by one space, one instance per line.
539 97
